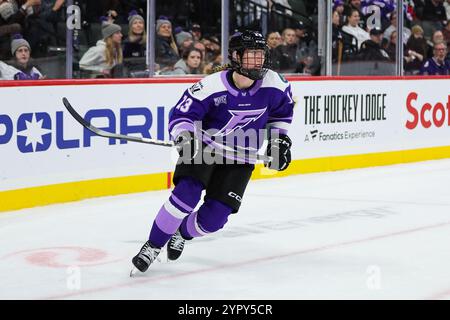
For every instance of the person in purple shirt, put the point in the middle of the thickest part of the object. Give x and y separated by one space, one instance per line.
241 101
438 64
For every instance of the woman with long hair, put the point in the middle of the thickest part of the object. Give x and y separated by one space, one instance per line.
166 48
106 54
352 27
135 44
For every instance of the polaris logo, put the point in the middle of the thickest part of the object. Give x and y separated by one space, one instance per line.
40 131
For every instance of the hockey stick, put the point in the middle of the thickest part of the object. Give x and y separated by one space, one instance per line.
107 134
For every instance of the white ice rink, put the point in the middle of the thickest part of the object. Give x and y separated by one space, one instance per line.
376 233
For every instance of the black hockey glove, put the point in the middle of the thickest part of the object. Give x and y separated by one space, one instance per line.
280 149
187 145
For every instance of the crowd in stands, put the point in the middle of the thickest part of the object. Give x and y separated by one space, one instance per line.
363 30
357 36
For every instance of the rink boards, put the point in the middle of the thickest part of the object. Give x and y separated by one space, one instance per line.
47 157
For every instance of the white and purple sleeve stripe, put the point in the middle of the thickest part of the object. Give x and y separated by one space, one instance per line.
282 126
179 125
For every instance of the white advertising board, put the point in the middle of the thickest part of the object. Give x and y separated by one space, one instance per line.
41 144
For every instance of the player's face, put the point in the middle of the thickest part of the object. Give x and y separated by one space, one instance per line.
23 55
253 59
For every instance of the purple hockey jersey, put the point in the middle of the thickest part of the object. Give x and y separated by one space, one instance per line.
226 111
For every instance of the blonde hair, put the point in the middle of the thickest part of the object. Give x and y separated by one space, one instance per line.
221 68
133 36
113 53
173 44
417 29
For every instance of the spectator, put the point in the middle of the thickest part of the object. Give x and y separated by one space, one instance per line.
434 10
391 46
103 59
345 46
355 5
190 63
352 27
184 41
438 64
433 15
42 29
393 27
136 43
284 56
273 39
196 32
212 45
13 17
307 52
438 36
371 49
166 48
200 46
416 49
22 68
338 7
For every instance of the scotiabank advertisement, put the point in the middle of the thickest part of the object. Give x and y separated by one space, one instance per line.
426 115
41 144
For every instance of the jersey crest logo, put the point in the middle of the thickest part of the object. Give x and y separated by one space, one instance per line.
240 119
220 100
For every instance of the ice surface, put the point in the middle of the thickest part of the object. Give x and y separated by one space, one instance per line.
375 233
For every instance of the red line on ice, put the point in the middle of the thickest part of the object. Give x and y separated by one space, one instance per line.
135 281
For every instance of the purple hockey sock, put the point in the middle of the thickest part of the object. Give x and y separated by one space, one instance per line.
211 217
180 204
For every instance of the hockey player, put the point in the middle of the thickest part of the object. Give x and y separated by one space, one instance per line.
245 96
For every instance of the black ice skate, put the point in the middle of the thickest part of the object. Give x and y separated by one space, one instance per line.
144 258
175 246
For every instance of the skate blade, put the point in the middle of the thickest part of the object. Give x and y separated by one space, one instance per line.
133 272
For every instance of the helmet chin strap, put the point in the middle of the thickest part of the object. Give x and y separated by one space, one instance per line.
253 74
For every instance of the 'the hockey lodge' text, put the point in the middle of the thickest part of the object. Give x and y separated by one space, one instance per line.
344 108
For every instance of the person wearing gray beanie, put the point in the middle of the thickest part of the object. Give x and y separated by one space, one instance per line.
136 43
106 54
17 43
165 46
108 29
160 22
133 16
21 68
184 40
